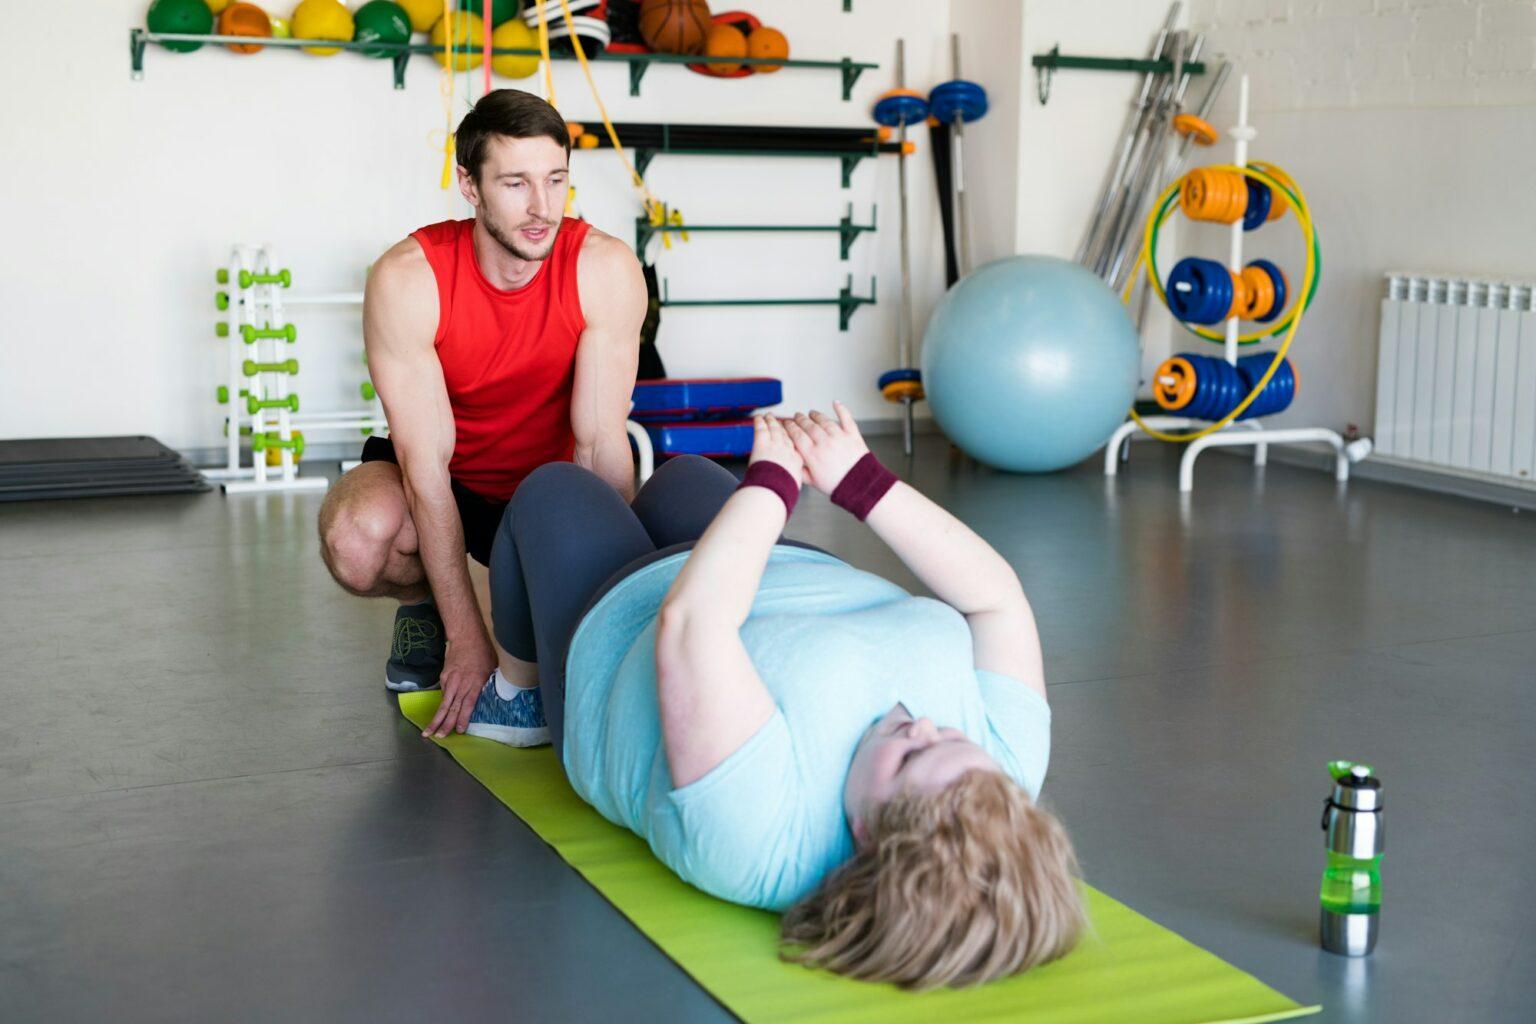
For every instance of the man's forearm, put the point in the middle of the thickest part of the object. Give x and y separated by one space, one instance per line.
961 569
609 457
440 545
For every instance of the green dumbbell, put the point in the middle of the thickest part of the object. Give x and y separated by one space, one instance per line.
222 394
221 299
253 405
262 442
221 275
221 329
367 431
282 278
287 333
369 394
251 368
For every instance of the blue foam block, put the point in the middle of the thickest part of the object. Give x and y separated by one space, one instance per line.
675 400
719 439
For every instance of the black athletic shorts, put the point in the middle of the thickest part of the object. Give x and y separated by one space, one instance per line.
481 516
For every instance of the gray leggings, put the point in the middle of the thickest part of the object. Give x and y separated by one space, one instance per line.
567 538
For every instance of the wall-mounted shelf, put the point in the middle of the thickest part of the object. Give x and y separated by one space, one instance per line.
400 54
846 302
847 231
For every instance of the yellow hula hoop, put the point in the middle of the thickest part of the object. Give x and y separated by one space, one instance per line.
1309 236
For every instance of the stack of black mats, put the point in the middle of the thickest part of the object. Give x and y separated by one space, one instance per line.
88 467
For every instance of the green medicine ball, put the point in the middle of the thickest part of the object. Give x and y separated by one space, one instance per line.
501 10
381 21
183 17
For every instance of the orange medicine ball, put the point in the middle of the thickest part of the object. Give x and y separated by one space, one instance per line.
241 19
724 41
765 43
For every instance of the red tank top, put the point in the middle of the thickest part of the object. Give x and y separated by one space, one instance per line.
508 357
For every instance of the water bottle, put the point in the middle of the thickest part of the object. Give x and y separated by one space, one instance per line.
1351 889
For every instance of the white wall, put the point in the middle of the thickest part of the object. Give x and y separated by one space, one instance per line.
1038 198
121 197
1409 125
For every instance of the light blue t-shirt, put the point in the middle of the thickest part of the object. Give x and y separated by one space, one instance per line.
836 647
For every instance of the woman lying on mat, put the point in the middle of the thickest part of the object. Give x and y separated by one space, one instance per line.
785 730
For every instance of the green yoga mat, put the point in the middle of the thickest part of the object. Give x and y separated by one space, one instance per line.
1128 969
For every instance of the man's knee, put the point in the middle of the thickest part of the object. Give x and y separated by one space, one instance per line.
356 544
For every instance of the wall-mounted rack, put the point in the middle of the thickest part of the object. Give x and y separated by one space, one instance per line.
846 302
1047 64
846 230
400 54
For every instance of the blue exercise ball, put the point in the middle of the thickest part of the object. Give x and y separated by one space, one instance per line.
1030 363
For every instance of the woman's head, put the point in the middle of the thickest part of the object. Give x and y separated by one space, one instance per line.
959 877
899 753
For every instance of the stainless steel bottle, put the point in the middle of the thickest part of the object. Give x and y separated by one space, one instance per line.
1351 888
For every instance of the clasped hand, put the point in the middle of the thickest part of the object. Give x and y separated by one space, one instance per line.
813 447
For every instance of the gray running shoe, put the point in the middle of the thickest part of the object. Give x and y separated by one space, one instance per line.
416 652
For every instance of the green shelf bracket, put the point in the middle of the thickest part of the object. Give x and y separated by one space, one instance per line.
851 73
847 302
1047 64
399 55
850 161
846 230
643 158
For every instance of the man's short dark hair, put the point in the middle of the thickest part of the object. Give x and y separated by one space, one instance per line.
510 112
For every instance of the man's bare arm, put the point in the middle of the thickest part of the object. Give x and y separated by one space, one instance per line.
400 314
613 301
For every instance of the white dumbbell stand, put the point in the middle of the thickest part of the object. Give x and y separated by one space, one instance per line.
1239 432
262 305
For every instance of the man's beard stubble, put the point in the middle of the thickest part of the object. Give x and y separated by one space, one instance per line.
508 241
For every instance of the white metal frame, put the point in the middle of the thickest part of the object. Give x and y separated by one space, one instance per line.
1239 432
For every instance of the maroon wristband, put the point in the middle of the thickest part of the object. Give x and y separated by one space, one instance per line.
863 486
777 479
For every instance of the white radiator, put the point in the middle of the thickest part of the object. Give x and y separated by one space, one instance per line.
1456 375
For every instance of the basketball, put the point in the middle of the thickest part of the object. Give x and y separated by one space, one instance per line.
724 41
767 42
674 26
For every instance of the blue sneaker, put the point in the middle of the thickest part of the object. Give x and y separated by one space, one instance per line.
518 722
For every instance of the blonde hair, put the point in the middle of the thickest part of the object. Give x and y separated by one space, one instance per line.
955 888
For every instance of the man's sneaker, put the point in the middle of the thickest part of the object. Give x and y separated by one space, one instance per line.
416 652
518 722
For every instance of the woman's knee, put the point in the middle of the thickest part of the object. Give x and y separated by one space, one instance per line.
553 484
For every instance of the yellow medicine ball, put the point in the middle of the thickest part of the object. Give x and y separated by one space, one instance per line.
515 35
423 13
321 19
217 7
468 39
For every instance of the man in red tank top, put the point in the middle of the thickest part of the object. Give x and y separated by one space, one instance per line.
496 344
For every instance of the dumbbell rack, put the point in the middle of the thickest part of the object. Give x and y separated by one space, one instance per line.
1239 432
262 404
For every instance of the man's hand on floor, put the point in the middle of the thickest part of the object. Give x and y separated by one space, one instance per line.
468 665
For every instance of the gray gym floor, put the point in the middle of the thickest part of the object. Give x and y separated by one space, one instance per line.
210 810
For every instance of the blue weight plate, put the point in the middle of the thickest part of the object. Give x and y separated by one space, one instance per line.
903 374
959 96
892 110
1259 200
